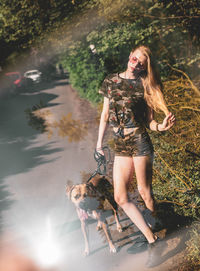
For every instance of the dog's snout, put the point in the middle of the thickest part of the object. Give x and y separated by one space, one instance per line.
85 195
77 196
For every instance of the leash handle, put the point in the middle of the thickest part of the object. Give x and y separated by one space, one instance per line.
101 160
98 156
108 151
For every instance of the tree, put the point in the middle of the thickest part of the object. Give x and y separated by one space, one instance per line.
25 23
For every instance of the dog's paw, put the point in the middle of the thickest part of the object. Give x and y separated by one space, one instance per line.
113 249
86 253
119 228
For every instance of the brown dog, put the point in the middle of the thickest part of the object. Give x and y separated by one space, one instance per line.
89 199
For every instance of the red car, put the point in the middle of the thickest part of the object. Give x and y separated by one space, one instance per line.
14 81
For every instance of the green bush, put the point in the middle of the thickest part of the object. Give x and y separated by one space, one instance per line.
85 69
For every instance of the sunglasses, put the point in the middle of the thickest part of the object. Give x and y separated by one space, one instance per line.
136 60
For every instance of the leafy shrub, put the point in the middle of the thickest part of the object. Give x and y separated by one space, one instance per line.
193 249
177 162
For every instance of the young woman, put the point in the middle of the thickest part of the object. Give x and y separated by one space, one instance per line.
130 99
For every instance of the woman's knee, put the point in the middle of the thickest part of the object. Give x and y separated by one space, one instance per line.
121 200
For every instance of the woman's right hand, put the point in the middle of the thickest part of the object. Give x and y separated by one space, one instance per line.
167 123
100 150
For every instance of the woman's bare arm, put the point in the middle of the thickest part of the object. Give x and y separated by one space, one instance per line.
103 123
167 123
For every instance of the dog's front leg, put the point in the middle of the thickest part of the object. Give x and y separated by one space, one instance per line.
119 227
114 206
85 229
106 231
108 236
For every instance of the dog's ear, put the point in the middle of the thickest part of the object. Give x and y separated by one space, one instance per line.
69 189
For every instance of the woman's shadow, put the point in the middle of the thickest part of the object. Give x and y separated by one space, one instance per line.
172 232
176 233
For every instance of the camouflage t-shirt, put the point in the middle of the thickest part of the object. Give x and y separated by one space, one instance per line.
127 106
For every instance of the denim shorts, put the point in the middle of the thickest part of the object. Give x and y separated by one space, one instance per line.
134 144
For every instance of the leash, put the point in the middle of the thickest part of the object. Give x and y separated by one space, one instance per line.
101 162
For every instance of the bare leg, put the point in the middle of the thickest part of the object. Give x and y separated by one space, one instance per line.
143 171
123 168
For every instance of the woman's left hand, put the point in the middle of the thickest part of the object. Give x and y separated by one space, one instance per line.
168 122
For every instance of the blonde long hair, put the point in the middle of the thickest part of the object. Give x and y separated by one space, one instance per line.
152 83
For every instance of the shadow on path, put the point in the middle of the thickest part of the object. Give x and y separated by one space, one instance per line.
166 251
18 154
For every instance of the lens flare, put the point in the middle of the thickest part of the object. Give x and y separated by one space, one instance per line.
45 247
